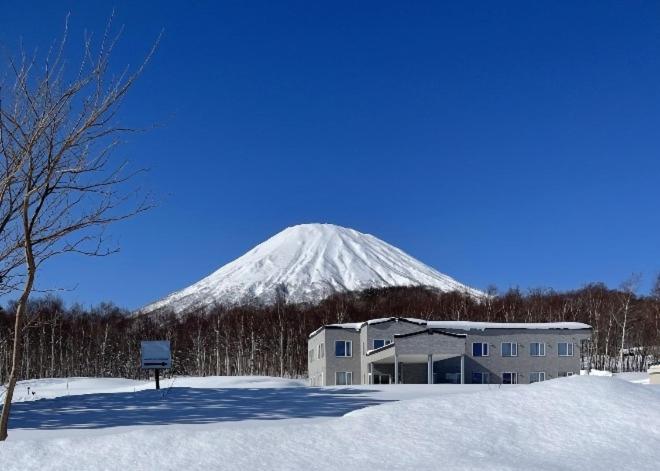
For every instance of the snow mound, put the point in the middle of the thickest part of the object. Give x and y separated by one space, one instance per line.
577 423
312 261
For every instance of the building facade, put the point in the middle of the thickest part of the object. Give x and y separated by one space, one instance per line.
414 351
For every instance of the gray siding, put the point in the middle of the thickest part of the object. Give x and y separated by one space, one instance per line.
523 364
384 331
316 366
430 344
334 363
445 346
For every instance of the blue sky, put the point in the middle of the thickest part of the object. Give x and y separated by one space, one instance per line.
505 143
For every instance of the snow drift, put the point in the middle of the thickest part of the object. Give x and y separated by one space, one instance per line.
311 261
578 423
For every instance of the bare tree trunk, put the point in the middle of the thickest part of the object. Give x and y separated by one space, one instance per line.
623 335
21 312
52 347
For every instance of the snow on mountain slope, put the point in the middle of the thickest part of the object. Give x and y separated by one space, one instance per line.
312 261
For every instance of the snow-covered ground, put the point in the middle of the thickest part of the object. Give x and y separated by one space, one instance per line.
248 423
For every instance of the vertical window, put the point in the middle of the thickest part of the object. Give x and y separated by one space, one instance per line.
509 378
344 378
321 351
565 349
537 376
479 349
343 348
480 378
381 343
509 349
537 349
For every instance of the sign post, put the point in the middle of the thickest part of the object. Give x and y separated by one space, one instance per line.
156 356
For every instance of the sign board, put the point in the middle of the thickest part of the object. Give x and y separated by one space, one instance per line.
156 354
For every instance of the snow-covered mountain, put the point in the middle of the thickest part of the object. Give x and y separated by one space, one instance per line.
311 261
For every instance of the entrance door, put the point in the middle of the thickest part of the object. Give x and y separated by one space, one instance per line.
382 379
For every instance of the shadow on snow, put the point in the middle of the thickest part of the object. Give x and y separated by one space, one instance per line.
185 406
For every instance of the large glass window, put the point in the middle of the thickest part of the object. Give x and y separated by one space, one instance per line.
381 343
343 348
344 378
509 349
509 378
480 378
537 349
565 349
537 376
479 349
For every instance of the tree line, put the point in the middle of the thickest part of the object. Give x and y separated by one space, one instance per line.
104 341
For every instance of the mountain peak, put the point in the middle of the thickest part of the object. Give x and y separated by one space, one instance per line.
312 261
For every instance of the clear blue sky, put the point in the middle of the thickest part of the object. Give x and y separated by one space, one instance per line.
506 143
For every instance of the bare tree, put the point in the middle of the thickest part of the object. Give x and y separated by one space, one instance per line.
627 293
59 130
281 293
11 188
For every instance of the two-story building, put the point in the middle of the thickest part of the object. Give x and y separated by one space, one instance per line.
414 351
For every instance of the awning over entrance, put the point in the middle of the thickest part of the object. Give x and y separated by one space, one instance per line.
427 346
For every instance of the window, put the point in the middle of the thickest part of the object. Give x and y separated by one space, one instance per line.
321 351
479 349
509 349
537 376
565 349
344 378
343 348
381 343
564 374
537 349
509 378
310 355
480 378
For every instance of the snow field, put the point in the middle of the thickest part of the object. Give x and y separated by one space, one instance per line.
570 423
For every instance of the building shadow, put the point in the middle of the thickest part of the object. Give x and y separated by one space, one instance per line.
186 406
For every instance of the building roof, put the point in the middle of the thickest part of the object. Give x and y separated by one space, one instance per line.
459 325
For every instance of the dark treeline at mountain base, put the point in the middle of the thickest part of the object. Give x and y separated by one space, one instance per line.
105 341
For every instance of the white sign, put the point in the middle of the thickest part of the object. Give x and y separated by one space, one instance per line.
156 354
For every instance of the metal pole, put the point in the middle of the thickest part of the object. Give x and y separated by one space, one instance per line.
157 373
462 369
429 370
396 369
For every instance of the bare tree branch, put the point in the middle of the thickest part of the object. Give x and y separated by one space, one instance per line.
60 186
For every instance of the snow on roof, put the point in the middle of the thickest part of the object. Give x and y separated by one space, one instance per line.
358 325
461 325
465 325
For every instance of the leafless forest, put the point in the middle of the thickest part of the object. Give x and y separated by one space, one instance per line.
104 341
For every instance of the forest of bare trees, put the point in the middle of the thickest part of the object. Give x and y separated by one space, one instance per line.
104 341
